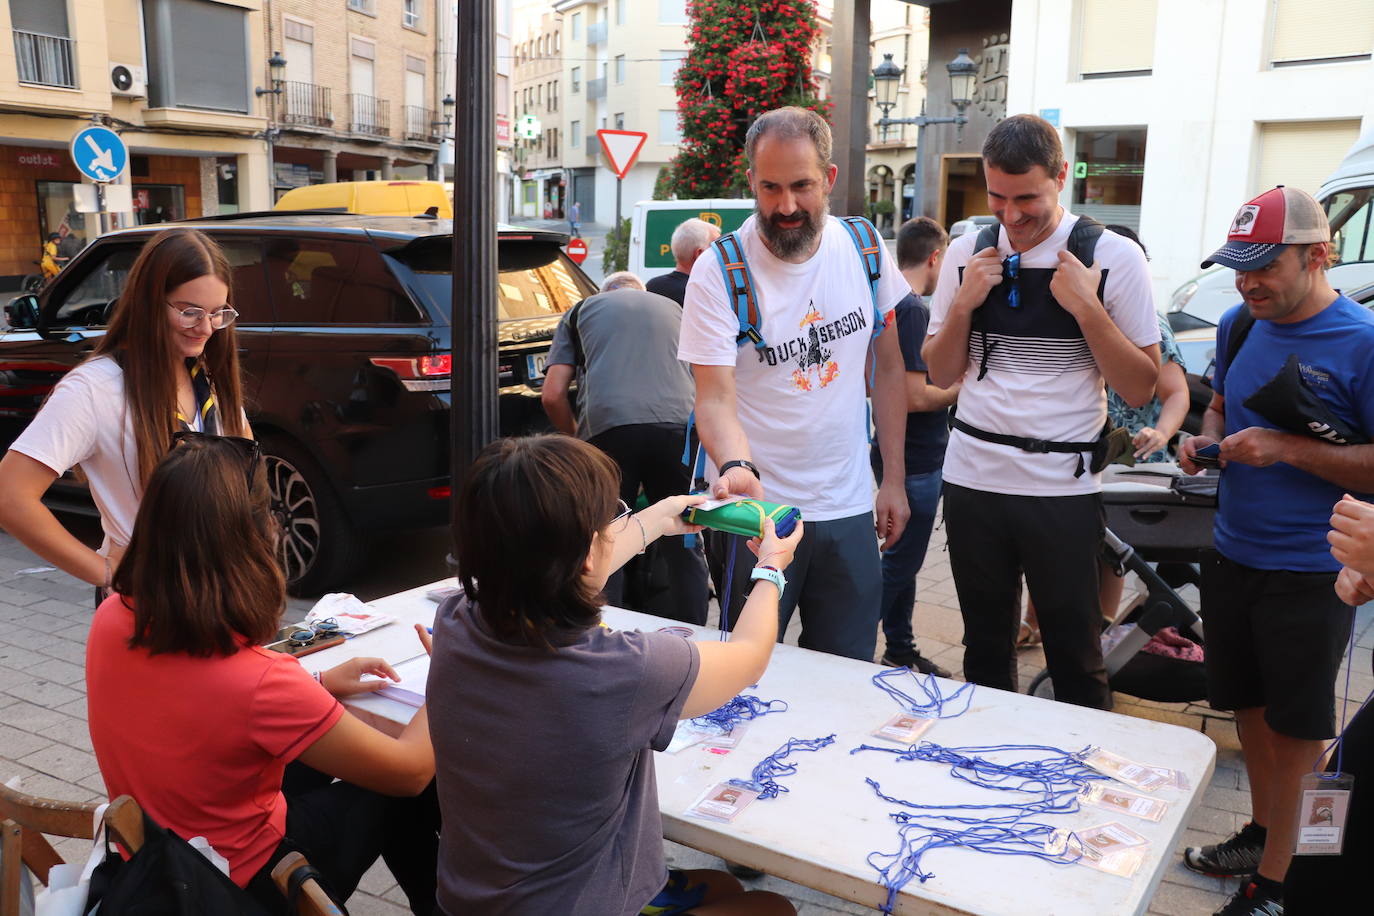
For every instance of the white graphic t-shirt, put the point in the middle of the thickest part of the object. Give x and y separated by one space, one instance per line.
801 398
1041 382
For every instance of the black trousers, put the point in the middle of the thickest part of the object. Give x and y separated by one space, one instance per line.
650 455
1055 540
1315 882
342 829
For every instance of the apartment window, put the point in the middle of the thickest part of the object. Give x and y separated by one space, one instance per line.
197 55
553 141
42 43
576 79
557 42
1102 51
619 68
362 6
669 134
411 16
672 12
619 12
577 26
668 64
1108 175
618 119
1320 31
575 132
539 94
1300 154
299 48
553 96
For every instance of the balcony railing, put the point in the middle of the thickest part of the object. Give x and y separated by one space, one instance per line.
368 115
420 123
596 34
596 89
44 59
306 103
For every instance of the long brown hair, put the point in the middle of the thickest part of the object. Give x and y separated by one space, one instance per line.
141 332
201 567
527 512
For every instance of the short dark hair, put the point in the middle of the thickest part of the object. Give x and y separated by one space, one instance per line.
1022 141
527 512
917 240
201 568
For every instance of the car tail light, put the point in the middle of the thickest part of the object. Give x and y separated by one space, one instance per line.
440 492
423 373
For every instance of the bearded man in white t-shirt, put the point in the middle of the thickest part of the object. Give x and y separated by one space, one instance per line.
1032 333
787 421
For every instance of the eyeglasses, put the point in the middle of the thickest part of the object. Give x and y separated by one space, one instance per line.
306 634
250 449
193 315
622 519
1013 268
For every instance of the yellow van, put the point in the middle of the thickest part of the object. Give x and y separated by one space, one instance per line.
377 198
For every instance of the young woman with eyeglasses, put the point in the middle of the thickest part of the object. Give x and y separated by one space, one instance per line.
548 724
168 361
194 719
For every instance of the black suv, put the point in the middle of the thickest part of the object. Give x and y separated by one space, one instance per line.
344 329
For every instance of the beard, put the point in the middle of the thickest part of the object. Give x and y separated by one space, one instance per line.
788 243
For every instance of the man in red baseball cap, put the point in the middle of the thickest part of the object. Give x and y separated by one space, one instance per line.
1276 630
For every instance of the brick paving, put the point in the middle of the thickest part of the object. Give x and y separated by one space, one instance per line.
44 615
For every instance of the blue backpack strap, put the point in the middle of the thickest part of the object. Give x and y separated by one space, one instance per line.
870 245
697 478
739 286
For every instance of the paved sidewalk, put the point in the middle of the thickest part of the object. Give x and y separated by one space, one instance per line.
44 616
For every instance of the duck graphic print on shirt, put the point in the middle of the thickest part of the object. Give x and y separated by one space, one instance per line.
800 397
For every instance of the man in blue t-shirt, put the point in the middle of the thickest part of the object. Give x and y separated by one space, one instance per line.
1276 629
921 245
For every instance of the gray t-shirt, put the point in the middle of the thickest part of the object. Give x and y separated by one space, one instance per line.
545 771
631 371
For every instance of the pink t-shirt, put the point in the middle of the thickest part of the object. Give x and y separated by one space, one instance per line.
201 743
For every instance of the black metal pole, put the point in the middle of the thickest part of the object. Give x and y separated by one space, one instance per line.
618 183
473 419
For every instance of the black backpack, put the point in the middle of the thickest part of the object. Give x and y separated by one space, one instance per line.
166 877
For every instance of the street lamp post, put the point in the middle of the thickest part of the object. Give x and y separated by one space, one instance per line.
276 65
447 123
886 77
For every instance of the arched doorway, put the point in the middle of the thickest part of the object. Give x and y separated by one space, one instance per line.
880 207
908 191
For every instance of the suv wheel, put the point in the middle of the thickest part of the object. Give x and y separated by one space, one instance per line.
318 545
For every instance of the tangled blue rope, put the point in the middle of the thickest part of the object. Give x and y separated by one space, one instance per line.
764 778
931 702
742 708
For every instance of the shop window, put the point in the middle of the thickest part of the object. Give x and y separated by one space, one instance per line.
314 282
197 55
158 203
1116 39
1108 173
1320 31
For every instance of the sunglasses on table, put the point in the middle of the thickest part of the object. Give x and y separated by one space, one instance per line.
307 634
193 315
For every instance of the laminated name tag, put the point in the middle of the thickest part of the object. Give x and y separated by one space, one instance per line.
1146 779
1121 801
722 802
904 728
1323 807
1121 859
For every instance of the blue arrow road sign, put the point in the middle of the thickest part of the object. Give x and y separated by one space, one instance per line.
99 154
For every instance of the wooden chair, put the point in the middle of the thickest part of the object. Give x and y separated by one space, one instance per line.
24 819
312 899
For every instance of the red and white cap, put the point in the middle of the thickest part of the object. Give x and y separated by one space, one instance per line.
1261 229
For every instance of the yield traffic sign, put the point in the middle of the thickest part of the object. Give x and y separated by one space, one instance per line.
621 148
99 154
577 250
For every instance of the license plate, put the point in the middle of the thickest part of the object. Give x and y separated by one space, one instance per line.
536 365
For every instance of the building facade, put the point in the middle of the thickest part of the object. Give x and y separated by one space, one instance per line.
901 30
174 78
361 97
1173 112
537 108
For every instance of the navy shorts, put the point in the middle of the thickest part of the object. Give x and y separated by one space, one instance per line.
1275 639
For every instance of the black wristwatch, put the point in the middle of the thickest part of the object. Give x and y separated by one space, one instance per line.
741 463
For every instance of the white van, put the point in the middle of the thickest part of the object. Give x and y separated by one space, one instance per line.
1347 198
653 222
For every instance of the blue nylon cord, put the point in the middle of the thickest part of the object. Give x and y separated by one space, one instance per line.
934 702
742 708
764 778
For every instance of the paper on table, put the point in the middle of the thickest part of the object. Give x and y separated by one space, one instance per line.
352 616
414 674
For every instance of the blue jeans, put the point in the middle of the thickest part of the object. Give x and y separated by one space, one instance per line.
903 561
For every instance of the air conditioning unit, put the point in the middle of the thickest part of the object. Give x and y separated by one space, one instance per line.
128 81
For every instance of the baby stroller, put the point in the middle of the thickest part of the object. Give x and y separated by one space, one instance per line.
1155 515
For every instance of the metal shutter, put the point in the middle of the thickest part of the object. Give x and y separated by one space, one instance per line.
1300 154
1318 29
1116 36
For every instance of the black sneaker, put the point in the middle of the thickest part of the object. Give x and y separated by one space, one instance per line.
1237 857
1250 901
917 662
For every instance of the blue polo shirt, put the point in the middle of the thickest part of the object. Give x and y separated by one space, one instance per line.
1277 517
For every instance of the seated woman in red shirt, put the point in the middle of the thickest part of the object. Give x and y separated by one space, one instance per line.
190 716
